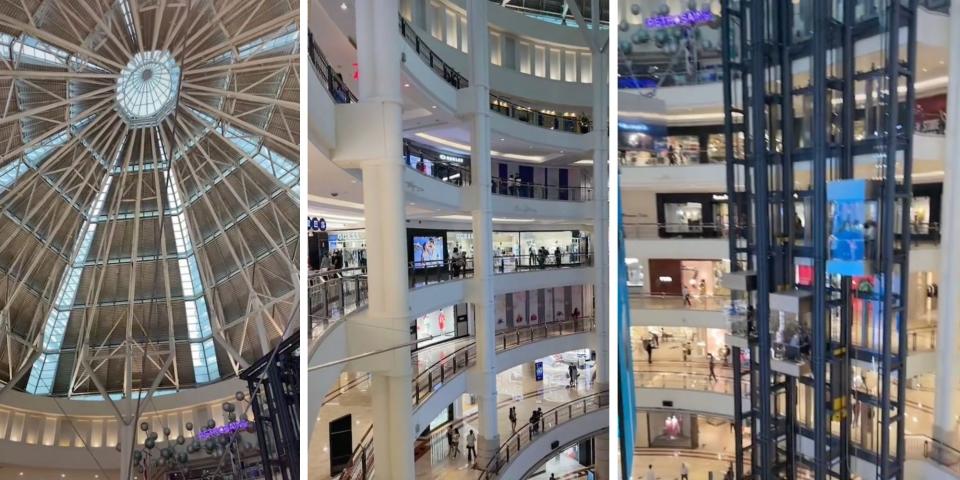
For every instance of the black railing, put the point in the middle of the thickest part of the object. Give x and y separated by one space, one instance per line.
429 272
329 78
526 114
502 105
448 73
548 421
555 9
361 462
537 191
432 163
333 294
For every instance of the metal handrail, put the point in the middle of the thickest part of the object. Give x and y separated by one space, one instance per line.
361 462
332 294
430 272
539 7
525 113
504 186
714 303
449 74
665 230
330 79
434 376
549 420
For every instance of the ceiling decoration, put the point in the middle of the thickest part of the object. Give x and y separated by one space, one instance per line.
149 182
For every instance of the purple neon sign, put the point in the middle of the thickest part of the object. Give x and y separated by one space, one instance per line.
685 19
222 430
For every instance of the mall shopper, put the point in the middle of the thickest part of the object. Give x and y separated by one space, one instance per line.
471 447
729 474
684 474
513 419
558 256
542 257
648 346
456 442
450 440
324 262
532 259
455 263
712 363
686 297
650 475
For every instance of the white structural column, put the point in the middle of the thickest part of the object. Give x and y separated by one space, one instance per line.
944 421
379 112
483 379
601 265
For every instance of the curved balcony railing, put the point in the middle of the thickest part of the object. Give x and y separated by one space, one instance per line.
439 166
542 9
430 272
669 379
574 124
637 157
331 80
673 230
361 462
526 114
536 191
434 164
548 421
924 447
679 302
333 294
435 376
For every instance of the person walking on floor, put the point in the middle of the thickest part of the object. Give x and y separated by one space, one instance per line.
650 474
471 447
456 442
648 346
450 440
558 256
513 419
711 362
686 297
684 474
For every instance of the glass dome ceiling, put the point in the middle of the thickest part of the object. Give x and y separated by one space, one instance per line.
147 88
149 176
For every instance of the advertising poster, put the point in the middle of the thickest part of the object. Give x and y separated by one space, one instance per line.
560 312
520 309
427 252
435 327
500 311
539 370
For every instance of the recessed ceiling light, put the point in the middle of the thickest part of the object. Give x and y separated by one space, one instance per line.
941 62
343 5
434 107
502 139
406 85
924 69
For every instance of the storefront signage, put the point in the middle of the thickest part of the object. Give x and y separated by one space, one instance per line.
721 197
633 127
539 371
230 428
449 158
685 19
315 224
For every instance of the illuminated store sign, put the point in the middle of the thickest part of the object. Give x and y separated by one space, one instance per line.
633 127
223 430
685 19
315 224
448 158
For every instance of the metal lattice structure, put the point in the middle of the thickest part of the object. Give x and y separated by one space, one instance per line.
148 235
795 87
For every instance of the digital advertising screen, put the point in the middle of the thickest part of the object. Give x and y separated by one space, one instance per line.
427 251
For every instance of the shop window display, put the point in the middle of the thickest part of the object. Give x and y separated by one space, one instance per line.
684 217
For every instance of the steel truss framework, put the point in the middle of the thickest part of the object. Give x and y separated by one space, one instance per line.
792 83
119 243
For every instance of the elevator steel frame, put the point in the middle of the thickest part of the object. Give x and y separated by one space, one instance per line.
764 47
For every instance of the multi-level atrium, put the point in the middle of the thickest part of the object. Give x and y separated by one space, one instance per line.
789 213
149 184
458 281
